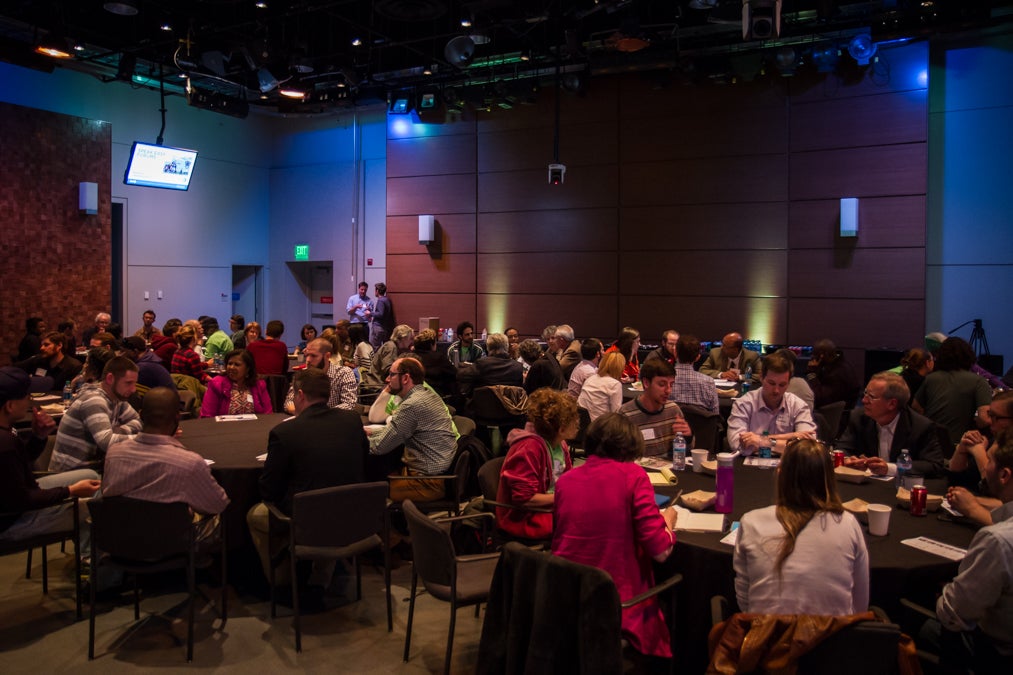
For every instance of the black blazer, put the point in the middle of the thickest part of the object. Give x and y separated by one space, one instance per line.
322 447
915 432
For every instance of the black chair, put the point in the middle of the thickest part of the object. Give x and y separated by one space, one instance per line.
832 414
492 418
465 425
42 541
547 614
584 422
705 425
142 537
331 524
459 580
277 389
488 478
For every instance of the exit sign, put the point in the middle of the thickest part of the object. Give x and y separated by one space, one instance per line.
301 252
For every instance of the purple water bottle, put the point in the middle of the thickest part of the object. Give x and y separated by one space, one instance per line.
725 483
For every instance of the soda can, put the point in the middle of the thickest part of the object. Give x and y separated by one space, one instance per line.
838 456
919 497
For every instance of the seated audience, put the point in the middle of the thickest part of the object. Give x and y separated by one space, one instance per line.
95 361
967 466
603 392
666 351
628 344
606 517
565 349
218 342
590 355
249 335
915 365
536 458
730 361
770 408
798 385
514 336
689 386
441 374
831 377
344 390
150 371
495 368
164 345
543 368
102 341
399 344
884 426
31 343
148 329
362 351
185 360
99 417
657 418
102 322
307 334
237 325
805 554
239 391
464 349
69 330
52 362
952 395
270 354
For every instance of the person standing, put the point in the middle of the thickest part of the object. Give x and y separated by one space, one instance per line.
382 319
359 307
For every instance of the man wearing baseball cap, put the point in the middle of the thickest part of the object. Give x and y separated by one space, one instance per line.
33 507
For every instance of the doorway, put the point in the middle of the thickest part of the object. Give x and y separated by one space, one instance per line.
248 291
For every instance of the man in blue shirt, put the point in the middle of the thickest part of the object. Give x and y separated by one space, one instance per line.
359 307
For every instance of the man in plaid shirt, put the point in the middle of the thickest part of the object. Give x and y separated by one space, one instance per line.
344 388
691 387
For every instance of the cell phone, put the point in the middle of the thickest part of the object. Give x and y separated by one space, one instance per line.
662 500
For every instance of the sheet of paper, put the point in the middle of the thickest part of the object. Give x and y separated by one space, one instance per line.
731 538
722 383
235 418
761 462
654 463
936 548
699 522
948 507
262 458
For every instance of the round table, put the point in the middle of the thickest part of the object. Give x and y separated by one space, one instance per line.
896 570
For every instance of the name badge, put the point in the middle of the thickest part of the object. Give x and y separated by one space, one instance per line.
648 434
249 397
40 372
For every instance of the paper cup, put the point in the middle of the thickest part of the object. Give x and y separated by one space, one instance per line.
699 457
879 519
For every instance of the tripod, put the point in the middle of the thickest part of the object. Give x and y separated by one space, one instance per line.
978 341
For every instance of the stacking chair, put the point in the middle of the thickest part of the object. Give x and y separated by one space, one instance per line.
277 389
492 418
832 414
141 537
488 478
459 580
42 541
332 524
705 425
547 614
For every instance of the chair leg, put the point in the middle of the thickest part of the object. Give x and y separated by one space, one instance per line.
450 637
411 614
358 578
386 581
225 585
77 579
45 572
295 604
478 608
137 598
271 581
191 586
91 600
28 565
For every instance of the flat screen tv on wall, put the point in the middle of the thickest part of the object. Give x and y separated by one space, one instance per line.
160 166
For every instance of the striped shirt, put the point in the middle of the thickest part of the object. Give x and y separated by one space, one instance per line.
344 389
422 424
693 388
91 424
655 427
157 468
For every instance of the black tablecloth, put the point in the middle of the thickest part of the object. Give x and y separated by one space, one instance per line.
895 569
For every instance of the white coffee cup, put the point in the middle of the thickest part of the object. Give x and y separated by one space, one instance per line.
879 519
699 457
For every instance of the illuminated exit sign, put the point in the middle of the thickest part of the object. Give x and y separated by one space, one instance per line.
301 252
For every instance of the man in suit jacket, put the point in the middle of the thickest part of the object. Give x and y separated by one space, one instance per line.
321 447
730 360
884 426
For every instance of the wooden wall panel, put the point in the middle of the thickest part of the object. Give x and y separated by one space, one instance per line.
431 194
858 273
704 227
734 132
585 187
860 172
579 144
709 318
753 178
448 273
570 229
861 324
641 98
597 104
455 233
868 120
704 273
451 308
882 221
550 272
430 156
590 315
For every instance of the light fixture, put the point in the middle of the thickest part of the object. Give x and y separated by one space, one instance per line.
702 4
826 58
293 91
260 5
761 19
427 69
166 27
53 45
400 102
466 22
862 48
266 80
356 42
786 60
460 51
125 70
121 7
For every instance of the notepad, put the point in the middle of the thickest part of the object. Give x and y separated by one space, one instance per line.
664 477
699 522
936 548
235 418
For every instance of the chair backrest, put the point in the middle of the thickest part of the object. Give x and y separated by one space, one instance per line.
340 515
584 421
465 425
704 424
487 408
945 442
868 647
140 530
463 474
277 389
832 414
432 549
488 477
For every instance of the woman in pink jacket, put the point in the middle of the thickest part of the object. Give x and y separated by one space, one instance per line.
607 517
239 391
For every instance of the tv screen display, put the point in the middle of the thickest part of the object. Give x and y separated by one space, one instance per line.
160 166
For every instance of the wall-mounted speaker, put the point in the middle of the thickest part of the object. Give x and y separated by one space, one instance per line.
427 229
87 198
849 216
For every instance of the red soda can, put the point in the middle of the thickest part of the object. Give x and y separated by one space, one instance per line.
919 497
838 456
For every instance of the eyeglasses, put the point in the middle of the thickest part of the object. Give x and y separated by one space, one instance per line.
997 416
870 396
395 373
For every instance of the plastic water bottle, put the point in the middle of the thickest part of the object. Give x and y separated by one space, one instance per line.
678 453
68 394
765 446
725 483
485 334
903 467
747 379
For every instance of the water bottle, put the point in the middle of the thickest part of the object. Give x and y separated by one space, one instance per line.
68 394
450 335
725 483
903 467
747 379
678 453
485 334
765 446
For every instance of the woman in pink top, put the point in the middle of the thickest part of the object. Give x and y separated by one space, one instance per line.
606 517
239 391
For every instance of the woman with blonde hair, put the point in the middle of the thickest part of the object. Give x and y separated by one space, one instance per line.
603 391
805 554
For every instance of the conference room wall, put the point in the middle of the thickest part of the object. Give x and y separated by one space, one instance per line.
701 208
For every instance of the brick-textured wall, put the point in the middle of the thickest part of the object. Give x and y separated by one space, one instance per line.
56 261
